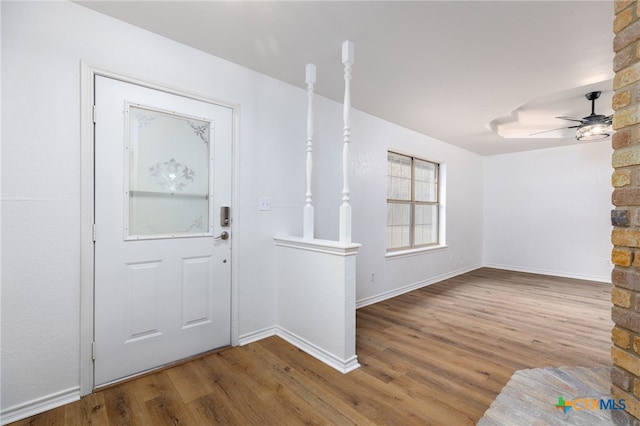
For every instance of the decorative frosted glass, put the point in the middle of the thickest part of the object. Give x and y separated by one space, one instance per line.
169 169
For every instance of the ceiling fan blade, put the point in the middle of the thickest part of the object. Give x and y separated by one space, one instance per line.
553 130
579 120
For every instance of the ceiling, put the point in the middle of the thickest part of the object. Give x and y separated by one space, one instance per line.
452 70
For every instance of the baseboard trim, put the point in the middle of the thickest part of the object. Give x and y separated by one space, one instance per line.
415 286
39 405
342 365
254 336
550 272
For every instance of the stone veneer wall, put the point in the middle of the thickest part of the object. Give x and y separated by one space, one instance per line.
625 218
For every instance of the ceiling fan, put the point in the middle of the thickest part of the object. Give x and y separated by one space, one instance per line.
592 127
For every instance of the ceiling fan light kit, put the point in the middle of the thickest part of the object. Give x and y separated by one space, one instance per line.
590 132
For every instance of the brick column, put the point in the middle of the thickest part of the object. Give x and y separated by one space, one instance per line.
625 218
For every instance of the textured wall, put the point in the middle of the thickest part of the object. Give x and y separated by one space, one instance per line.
625 218
558 193
43 45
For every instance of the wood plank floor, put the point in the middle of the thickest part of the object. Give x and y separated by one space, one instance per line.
439 355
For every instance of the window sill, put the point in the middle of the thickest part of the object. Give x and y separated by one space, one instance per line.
413 252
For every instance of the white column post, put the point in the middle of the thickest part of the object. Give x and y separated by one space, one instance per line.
345 208
308 207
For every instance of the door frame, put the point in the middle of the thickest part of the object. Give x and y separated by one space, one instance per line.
87 209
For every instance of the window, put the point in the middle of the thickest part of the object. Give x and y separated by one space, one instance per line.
412 202
169 175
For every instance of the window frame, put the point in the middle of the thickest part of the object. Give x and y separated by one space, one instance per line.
412 202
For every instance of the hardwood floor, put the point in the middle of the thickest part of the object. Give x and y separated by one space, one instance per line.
439 355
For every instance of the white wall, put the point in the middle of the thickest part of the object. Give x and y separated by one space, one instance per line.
43 44
548 211
317 299
372 139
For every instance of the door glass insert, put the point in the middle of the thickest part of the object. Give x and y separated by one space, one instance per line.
169 175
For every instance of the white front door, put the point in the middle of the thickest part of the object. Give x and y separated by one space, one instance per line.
162 272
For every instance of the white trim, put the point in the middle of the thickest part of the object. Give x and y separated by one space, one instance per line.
552 273
337 248
342 365
87 212
40 405
236 225
413 252
442 204
254 336
415 286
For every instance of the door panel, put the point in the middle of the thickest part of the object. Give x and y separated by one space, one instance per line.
195 291
141 292
163 281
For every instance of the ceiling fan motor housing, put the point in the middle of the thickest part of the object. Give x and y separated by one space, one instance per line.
592 96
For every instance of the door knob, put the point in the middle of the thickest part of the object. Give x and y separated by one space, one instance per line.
223 236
